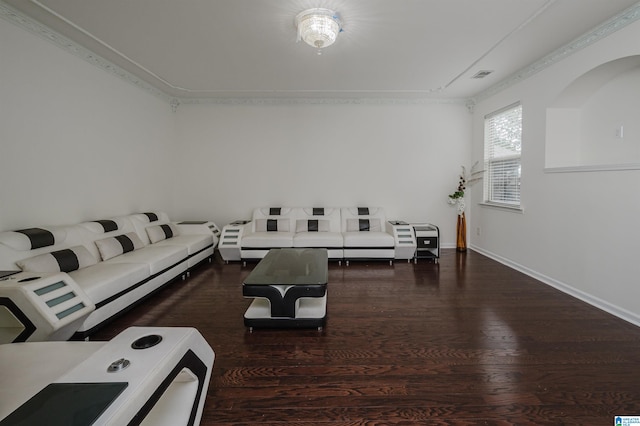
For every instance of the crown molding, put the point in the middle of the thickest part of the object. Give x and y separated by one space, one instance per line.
10 14
35 27
598 33
321 101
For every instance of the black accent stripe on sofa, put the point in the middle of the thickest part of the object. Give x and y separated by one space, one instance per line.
108 225
275 211
67 260
39 237
126 243
152 216
318 211
190 361
363 225
363 211
312 225
168 233
272 225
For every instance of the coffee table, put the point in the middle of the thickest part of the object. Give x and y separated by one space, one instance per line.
289 288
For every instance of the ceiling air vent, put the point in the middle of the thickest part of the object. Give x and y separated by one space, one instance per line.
482 74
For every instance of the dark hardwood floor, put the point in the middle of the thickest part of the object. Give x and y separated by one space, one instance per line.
465 342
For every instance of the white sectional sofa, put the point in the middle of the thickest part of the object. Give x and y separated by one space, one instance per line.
353 233
114 262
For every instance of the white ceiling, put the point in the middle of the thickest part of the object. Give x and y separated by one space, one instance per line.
389 48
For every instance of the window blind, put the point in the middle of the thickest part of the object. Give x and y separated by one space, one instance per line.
503 144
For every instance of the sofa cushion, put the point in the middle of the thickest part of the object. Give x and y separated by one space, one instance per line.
272 225
66 260
318 239
115 246
312 225
193 242
158 257
105 279
267 240
369 225
368 239
162 232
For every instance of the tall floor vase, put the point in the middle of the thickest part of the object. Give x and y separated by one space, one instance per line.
461 229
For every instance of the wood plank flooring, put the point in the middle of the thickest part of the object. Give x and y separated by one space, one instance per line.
465 342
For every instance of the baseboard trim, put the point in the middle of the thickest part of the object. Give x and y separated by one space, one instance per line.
565 288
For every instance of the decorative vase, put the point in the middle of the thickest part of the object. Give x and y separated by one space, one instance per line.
461 240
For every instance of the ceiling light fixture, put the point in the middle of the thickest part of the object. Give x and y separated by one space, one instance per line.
318 27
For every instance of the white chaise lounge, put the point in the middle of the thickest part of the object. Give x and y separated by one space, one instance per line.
105 266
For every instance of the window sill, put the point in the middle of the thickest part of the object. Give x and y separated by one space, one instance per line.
593 168
504 207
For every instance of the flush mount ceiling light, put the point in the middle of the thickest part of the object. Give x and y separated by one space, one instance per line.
318 27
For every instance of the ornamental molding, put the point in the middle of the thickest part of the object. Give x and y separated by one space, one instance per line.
322 101
35 27
598 33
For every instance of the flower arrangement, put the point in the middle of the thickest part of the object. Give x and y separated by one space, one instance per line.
465 180
461 187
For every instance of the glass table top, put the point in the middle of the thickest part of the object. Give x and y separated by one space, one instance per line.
289 266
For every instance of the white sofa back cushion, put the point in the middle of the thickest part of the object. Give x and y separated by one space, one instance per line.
32 238
104 226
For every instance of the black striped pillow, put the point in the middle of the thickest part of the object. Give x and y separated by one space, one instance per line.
66 260
312 225
115 246
272 225
162 232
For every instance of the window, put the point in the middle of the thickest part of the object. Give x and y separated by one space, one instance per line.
502 145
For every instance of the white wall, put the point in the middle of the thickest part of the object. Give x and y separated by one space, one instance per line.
579 231
76 142
403 157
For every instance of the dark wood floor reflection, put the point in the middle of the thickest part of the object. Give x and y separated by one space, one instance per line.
465 342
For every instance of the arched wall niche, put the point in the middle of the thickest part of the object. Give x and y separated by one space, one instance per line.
593 124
